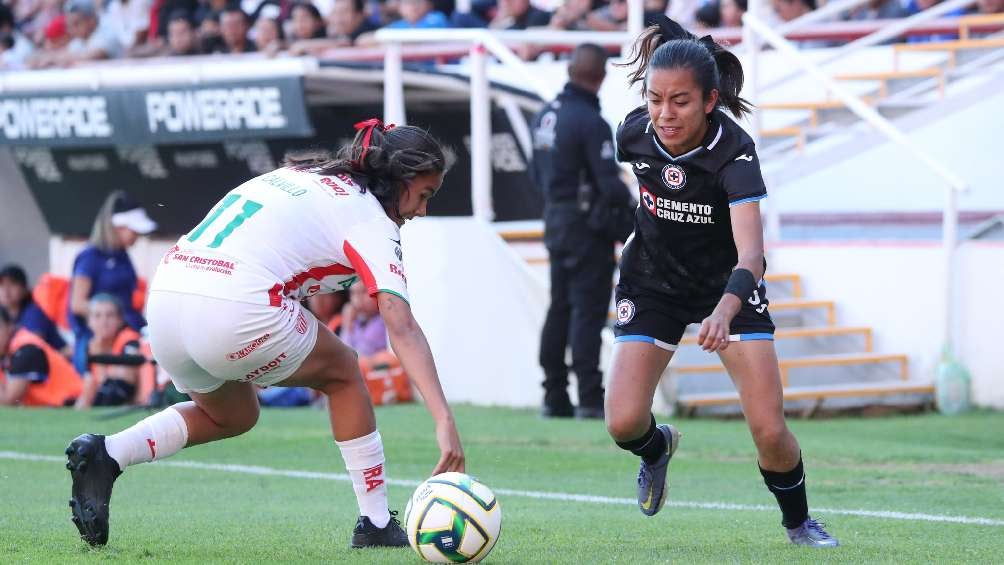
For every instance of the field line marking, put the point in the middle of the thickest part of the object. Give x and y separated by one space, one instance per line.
540 495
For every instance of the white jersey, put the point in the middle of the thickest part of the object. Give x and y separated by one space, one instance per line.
287 234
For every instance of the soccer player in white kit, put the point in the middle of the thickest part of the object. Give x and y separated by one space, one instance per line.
224 314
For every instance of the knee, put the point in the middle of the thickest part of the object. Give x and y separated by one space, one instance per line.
244 421
625 427
771 435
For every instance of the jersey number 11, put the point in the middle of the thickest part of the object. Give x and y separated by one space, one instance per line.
250 208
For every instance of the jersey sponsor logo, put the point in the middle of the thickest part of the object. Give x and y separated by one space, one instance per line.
648 200
200 263
674 176
397 270
625 311
301 323
170 253
334 186
373 477
544 135
683 212
744 157
641 166
266 368
249 348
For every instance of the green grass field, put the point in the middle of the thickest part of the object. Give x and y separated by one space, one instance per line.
918 464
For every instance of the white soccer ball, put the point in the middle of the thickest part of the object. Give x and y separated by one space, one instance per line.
453 518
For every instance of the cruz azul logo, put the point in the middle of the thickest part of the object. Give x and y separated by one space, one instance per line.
625 311
674 176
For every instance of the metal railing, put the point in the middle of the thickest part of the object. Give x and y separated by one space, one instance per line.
955 183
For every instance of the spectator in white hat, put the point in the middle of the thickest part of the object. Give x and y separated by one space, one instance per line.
104 267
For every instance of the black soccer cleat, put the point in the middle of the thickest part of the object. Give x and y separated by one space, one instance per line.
93 472
366 534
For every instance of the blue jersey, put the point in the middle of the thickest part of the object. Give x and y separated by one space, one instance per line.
33 319
112 273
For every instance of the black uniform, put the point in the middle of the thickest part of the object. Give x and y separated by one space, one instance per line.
675 267
574 166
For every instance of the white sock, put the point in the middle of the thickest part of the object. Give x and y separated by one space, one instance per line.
365 463
154 437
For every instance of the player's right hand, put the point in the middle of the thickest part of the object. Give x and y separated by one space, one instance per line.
451 452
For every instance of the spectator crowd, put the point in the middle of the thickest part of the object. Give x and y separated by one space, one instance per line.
63 33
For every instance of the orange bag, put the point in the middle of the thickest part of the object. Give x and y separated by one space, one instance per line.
385 379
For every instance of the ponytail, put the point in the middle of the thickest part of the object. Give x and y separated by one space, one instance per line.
667 45
381 158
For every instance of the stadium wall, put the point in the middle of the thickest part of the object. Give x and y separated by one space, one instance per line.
25 234
482 308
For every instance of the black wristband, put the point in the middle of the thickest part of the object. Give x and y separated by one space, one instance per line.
741 283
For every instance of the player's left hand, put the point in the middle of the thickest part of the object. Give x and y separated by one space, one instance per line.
714 334
451 452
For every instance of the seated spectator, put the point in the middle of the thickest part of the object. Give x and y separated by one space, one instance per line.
234 31
877 10
104 266
210 39
576 15
34 373
307 22
917 6
519 14
708 16
788 10
364 331
268 35
328 309
182 39
45 12
347 21
109 385
16 299
419 14
989 6
16 47
129 20
92 39
611 17
731 12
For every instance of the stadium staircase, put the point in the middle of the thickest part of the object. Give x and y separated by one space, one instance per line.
820 360
913 77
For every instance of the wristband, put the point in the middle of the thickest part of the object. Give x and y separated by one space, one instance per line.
741 283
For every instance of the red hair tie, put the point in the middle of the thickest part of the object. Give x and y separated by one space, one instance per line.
369 125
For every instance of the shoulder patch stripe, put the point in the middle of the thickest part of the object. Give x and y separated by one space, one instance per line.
745 200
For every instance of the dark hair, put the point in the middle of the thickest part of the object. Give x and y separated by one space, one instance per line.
709 15
381 159
359 5
314 13
668 46
235 8
181 14
5 318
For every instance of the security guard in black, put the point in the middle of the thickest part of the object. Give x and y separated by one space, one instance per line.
574 166
682 252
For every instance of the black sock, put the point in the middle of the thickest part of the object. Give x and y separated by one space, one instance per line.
789 490
650 446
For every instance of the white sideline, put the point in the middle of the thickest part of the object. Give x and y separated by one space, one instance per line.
559 496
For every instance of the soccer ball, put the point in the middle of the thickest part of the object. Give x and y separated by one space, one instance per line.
452 518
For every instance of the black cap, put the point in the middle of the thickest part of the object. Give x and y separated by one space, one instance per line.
14 273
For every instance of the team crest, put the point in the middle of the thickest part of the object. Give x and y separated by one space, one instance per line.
674 176
647 199
625 311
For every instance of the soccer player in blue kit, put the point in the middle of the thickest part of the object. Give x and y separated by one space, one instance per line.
697 256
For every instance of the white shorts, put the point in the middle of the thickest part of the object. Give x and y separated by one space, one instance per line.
203 342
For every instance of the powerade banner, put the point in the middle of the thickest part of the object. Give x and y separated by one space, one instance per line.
271 108
179 183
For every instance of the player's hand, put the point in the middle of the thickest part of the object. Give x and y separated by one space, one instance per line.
714 334
451 452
